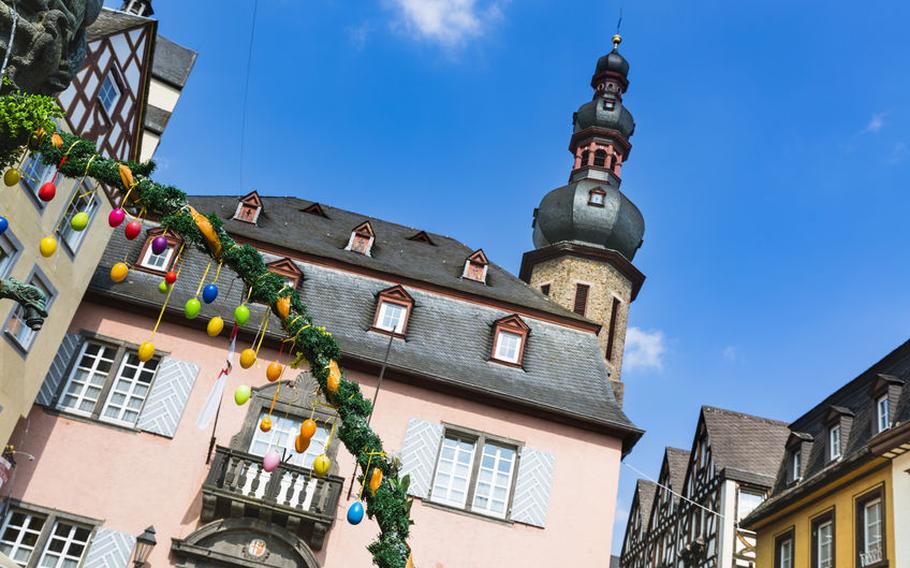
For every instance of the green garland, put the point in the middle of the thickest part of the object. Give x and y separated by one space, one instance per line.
390 506
20 116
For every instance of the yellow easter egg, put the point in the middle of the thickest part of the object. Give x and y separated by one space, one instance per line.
321 465
375 480
119 272
48 246
216 324
146 351
247 358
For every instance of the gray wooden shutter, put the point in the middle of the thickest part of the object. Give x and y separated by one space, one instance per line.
167 397
418 455
532 489
110 549
69 347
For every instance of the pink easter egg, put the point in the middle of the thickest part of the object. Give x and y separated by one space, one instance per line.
270 461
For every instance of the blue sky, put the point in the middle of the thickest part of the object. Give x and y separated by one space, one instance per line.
771 161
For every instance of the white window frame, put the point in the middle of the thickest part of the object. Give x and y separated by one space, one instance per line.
34 174
109 104
68 541
883 413
92 372
876 502
834 442
240 206
167 255
12 248
141 367
288 427
385 307
821 545
71 238
785 553
369 247
25 337
467 267
23 529
497 351
435 494
741 511
488 510
796 464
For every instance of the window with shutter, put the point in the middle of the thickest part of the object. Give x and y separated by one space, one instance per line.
418 455
611 334
581 298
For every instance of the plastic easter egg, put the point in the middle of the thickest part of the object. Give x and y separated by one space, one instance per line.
321 465
146 351
11 177
308 428
271 460
355 513
273 371
191 308
4 225
159 244
209 293
119 272
216 324
283 305
247 358
170 277
163 287
375 480
48 246
332 383
79 221
242 394
266 424
47 191
116 217
241 314
132 230
301 444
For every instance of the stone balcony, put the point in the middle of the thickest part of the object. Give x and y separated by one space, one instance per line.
290 496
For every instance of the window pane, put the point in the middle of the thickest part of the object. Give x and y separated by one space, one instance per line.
282 437
507 346
747 503
129 390
872 532
824 542
84 385
35 174
391 317
65 545
453 472
494 480
84 201
20 533
157 261
8 252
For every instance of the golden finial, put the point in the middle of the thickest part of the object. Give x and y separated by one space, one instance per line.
617 39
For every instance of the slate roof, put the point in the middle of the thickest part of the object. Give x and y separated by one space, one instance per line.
110 22
678 461
448 340
173 62
857 402
749 448
281 223
646 491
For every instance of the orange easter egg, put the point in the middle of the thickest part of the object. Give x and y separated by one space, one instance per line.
266 424
273 371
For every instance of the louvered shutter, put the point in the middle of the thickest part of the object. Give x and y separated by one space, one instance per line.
69 347
532 488
109 549
581 298
418 455
167 397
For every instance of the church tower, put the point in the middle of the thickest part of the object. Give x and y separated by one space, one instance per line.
586 233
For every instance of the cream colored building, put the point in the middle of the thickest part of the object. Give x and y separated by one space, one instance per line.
110 100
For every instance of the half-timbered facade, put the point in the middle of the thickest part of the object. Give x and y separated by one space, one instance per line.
635 549
694 519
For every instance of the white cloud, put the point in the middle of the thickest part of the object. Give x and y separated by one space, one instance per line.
876 122
730 352
644 349
449 22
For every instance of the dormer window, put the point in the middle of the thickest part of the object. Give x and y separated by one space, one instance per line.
248 208
885 389
422 237
393 310
287 269
834 442
882 414
475 267
795 465
510 335
597 197
159 263
315 209
361 240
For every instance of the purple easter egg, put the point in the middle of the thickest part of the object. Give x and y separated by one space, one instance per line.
159 245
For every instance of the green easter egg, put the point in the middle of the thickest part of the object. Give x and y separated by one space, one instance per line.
241 314
192 307
163 287
242 394
79 221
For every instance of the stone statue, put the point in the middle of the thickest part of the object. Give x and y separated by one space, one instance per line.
49 44
29 297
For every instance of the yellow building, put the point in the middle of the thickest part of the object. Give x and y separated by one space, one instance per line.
108 101
833 504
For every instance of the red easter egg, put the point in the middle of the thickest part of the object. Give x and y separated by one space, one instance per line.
47 191
116 217
132 229
170 277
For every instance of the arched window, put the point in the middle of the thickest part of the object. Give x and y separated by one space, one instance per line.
584 158
600 158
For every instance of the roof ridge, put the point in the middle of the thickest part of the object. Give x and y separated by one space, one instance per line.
729 412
